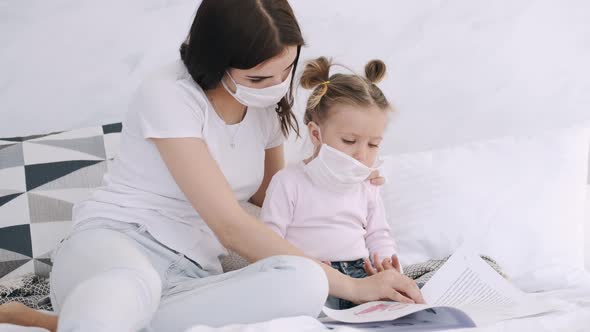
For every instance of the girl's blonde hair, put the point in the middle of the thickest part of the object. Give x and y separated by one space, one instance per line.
349 89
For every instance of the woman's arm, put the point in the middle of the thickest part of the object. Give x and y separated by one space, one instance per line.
202 182
274 161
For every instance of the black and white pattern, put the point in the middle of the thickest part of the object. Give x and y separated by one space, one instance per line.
30 290
41 178
422 272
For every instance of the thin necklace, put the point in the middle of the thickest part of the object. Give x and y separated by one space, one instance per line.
232 137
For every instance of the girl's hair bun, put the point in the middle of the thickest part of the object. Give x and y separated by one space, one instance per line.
316 72
375 71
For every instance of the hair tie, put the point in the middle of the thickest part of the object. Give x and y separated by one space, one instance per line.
324 88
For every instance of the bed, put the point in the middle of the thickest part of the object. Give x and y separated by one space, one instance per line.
434 201
574 318
489 79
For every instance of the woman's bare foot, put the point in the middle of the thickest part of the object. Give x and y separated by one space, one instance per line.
10 311
19 314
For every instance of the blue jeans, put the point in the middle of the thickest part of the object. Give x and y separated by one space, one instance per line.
354 269
114 276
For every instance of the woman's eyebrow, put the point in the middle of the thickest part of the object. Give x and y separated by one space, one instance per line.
264 77
258 77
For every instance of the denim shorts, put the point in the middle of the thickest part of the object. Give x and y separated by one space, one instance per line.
173 267
354 269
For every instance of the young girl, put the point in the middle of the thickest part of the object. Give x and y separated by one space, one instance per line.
324 205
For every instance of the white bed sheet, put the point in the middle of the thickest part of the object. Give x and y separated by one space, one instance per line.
574 318
13 328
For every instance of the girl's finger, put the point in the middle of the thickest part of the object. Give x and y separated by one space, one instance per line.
378 181
374 174
396 264
369 267
387 264
377 263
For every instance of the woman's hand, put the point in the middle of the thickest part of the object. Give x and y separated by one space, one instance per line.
387 285
376 179
404 286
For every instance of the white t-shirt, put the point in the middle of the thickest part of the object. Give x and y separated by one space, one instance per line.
139 187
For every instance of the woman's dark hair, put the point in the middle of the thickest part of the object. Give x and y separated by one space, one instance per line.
241 34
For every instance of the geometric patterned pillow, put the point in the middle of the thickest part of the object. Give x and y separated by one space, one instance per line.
41 177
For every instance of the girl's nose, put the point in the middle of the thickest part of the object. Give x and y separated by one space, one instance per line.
360 154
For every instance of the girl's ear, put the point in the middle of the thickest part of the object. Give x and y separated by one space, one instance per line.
315 134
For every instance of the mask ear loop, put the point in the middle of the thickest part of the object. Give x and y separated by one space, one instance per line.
226 86
231 78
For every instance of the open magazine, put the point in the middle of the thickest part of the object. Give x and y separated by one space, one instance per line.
464 292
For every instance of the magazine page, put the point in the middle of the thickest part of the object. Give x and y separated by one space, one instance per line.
467 282
437 319
374 312
464 282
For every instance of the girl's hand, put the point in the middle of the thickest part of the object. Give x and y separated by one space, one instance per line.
387 285
376 179
386 264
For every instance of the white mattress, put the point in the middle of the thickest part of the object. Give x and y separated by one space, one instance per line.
575 317
12 328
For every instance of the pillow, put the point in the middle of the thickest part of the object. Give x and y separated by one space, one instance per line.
519 200
41 177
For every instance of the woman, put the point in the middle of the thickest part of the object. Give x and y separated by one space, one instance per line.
200 135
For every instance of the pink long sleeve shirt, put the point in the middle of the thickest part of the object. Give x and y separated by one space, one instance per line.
325 224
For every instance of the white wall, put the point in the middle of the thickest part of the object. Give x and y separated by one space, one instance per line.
587 232
459 70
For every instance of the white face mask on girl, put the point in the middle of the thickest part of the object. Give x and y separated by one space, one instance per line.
261 98
336 170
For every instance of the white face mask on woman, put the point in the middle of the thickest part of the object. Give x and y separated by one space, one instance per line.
263 97
336 170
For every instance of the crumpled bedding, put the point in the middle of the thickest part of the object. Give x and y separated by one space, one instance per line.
33 290
575 317
30 290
